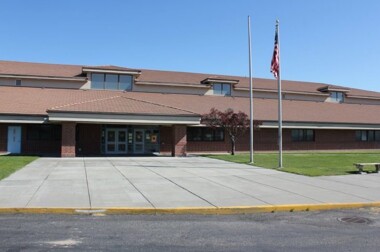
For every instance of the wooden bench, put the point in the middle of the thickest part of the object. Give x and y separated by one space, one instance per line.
360 166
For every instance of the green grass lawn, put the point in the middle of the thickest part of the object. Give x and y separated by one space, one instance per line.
10 164
310 164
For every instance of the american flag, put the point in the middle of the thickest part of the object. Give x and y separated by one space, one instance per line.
275 64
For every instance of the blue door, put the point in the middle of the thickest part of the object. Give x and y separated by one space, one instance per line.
14 139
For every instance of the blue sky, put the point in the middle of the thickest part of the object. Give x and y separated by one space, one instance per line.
329 41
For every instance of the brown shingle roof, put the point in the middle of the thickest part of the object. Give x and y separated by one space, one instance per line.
120 104
155 76
39 69
266 109
258 83
36 101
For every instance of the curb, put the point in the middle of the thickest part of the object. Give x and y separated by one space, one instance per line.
191 211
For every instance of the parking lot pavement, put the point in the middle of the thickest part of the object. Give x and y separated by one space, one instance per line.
166 182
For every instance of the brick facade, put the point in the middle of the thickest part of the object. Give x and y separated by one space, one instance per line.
165 140
179 140
88 139
68 139
85 140
266 140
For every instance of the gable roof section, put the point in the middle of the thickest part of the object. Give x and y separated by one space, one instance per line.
38 101
120 104
35 101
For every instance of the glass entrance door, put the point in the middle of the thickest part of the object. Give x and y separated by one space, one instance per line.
116 141
139 141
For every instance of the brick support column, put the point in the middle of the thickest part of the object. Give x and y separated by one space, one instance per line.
179 140
68 139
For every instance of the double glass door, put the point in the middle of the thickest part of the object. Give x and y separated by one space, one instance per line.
123 141
116 141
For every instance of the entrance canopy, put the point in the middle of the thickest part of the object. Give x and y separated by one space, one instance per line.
146 119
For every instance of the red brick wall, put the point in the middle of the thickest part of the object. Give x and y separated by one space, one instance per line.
68 139
179 140
165 140
328 140
89 139
263 139
208 146
266 140
47 147
3 137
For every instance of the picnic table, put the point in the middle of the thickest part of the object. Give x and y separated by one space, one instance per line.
360 166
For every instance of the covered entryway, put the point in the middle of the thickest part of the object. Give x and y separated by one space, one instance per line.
118 131
118 139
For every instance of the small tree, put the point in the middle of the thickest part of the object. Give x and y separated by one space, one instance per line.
235 124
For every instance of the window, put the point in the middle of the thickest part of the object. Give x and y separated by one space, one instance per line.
44 132
97 81
111 81
221 89
18 82
204 134
302 135
337 96
125 82
368 135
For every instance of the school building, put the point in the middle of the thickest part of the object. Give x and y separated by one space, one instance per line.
73 110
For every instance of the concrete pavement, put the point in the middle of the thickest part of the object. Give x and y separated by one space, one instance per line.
165 182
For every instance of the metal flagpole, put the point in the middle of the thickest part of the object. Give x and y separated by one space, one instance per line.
250 93
279 99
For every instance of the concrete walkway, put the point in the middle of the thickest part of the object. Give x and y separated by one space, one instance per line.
165 182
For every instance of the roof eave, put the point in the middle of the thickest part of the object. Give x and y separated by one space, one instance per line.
283 91
210 81
170 84
40 77
99 70
108 118
333 89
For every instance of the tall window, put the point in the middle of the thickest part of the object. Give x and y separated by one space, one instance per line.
302 135
204 134
368 135
337 96
111 81
221 89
